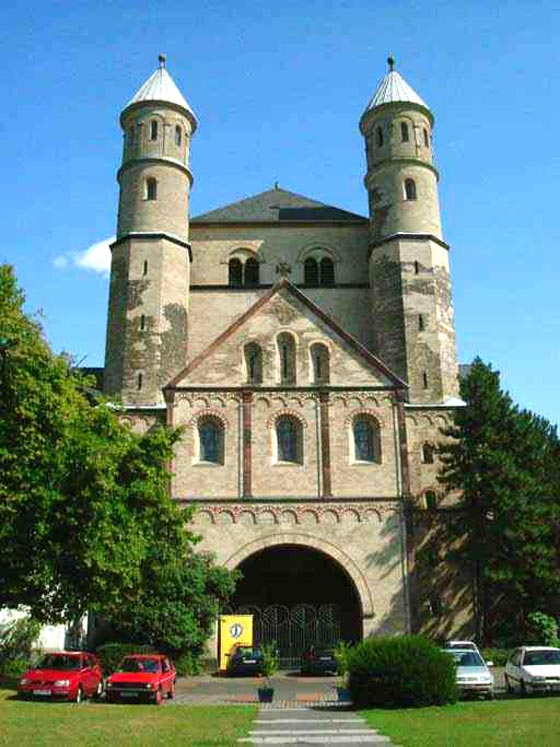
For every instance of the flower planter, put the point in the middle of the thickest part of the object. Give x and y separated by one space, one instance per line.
266 694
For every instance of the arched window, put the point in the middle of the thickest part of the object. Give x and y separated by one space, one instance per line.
379 136
426 138
289 440
310 272
153 129
287 358
253 362
326 271
366 437
151 188
251 273
404 132
431 500
410 189
320 363
428 453
211 440
235 273
178 135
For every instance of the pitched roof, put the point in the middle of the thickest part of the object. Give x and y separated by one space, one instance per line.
349 339
276 206
160 86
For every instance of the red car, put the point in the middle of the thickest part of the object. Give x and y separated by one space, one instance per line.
142 677
68 675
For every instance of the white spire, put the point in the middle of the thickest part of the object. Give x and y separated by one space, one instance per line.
160 86
394 88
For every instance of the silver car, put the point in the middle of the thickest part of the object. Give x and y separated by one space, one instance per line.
533 669
473 675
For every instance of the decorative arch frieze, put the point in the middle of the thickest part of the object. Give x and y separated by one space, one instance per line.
286 412
209 412
353 513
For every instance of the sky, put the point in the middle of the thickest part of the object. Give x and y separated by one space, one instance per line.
278 89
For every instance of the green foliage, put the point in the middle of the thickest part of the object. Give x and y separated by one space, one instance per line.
400 671
542 629
498 656
111 654
86 522
17 641
188 665
341 652
506 463
271 660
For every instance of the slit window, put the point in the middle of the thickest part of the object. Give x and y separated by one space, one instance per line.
178 136
428 453
416 267
410 189
425 380
145 268
431 500
404 132
153 129
151 188
379 137
142 323
287 358
426 138
421 323
320 363
139 381
253 363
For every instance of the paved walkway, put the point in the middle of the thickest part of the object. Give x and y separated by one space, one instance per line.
311 726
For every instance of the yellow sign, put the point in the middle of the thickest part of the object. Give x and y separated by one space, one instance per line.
234 630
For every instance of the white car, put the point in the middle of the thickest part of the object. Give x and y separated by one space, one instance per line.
533 669
473 676
461 646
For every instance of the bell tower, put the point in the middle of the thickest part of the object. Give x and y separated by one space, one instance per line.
410 283
150 266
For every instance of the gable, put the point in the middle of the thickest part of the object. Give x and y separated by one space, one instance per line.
285 309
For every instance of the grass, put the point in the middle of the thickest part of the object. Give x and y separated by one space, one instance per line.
23 722
515 723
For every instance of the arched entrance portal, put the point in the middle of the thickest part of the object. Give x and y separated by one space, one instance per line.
298 596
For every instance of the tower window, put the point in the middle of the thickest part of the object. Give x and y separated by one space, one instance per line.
426 138
178 136
211 440
235 269
151 188
404 132
326 271
289 440
310 272
145 268
153 129
366 439
379 136
139 381
428 453
416 267
287 358
410 189
253 363
131 137
251 273
425 380
421 322
142 323
318 272
320 363
431 500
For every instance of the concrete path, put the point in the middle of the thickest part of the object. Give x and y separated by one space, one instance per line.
311 726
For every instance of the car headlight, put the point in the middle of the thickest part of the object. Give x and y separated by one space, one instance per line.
109 684
61 683
149 686
23 681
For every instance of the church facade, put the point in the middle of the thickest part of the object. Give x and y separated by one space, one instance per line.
308 353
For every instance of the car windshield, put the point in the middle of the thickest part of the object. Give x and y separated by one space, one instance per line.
248 652
151 666
463 646
59 661
533 658
467 659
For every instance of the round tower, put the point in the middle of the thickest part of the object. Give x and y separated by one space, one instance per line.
148 297
412 310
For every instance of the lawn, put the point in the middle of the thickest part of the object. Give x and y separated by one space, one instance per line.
515 722
23 722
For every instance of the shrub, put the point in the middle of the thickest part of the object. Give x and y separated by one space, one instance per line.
341 653
17 641
271 659
542 629
498 656
400 671
111 654
188 664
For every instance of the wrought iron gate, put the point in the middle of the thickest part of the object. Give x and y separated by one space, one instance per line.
294 628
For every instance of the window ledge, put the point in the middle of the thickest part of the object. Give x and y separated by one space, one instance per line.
208 464
287 464
363 463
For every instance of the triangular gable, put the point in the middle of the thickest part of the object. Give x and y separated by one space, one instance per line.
368 360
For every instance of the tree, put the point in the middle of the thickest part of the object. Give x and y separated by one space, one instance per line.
504 461
86 522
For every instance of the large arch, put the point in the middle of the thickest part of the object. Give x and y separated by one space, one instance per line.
299 539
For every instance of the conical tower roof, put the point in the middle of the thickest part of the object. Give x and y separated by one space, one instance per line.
160 86
394 89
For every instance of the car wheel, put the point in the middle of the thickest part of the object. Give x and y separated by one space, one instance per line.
99 690
171 693
490 696
159 697
524 691
80 695
509 686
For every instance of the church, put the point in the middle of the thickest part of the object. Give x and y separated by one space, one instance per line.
308 354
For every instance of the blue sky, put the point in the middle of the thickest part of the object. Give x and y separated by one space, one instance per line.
278 89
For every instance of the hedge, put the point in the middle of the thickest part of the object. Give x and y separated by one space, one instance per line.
400 671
